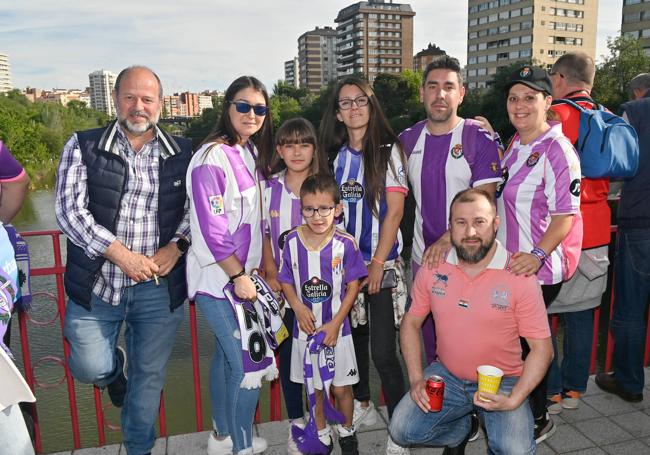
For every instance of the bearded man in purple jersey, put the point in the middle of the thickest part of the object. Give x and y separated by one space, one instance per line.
446 154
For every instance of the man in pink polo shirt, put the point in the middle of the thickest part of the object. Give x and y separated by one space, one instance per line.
480 310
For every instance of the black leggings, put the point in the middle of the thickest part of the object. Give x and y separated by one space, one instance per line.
537 397
381 334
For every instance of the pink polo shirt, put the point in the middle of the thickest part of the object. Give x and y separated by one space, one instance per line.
479 320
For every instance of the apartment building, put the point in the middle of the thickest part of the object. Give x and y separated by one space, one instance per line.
5 74
101 88
426 56
502 32
636 21
292 72
374 37
317 58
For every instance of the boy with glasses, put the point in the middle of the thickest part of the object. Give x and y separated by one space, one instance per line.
320 272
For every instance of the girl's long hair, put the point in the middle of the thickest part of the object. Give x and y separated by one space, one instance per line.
377 140
224 132
294 131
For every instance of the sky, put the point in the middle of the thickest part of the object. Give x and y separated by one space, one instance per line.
199 44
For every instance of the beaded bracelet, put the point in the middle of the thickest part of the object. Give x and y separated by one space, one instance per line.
540 254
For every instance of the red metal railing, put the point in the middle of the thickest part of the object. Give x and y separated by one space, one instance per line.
275 412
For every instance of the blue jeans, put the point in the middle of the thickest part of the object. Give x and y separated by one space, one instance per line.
508 432
149 336
632 289
233 408
292 391
573 373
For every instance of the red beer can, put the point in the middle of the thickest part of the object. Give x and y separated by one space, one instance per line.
436 390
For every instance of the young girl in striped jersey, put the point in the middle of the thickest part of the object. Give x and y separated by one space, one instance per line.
297 157
369 167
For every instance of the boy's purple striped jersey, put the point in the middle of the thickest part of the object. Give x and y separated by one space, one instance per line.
540 179
281 213
359 219
320 276
441 166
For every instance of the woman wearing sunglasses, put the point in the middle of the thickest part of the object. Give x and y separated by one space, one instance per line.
369 168
223 186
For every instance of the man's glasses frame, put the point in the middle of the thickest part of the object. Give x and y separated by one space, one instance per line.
244 108
323 211
360 101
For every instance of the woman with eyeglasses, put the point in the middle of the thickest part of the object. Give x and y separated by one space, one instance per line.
223 186
369 167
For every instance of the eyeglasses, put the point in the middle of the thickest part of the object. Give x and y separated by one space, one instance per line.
323 211
244 108
360 101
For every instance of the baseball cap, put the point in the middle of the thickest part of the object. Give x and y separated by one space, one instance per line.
531 76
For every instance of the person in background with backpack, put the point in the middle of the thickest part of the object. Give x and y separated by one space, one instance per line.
632 259
572 77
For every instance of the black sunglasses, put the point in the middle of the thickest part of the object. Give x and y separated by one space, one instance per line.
244 108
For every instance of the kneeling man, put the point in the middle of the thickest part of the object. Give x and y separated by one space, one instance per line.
480 310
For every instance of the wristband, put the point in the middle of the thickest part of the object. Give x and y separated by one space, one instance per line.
377 261
540 254
237 275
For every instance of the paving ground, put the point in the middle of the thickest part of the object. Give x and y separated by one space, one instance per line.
603 424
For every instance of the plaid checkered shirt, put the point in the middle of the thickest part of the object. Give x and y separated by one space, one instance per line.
137 222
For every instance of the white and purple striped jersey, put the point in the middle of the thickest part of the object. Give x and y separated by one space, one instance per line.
359 219
541 179
441 166
225 215
281 213
320 276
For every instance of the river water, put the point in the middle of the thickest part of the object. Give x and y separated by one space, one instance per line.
52 402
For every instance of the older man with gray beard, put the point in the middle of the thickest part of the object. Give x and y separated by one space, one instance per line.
120 199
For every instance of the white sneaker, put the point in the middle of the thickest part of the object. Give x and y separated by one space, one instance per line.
224 446
292 447
364 416
393 449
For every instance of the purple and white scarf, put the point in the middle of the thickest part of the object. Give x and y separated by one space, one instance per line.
260 328
307 438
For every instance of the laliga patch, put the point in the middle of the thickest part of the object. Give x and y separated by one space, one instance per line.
574 188
532 159
352 191
457 151
283 238
315 290
216 205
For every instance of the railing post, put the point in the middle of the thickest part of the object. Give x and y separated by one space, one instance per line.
196 371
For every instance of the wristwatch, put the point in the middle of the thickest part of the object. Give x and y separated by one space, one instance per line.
183 245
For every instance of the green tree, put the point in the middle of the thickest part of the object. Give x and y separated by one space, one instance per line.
200 127
626 59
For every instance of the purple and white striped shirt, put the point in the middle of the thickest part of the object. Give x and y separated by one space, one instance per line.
441 166
320 275
541 179
281 213
137 222
225 215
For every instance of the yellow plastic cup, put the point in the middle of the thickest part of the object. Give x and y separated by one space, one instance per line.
489 379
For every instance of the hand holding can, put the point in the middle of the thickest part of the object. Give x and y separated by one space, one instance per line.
435 388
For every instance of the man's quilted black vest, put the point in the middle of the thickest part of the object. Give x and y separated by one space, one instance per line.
106 181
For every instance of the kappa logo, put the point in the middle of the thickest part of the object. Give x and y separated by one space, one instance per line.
457 151
274 213
574 188
352 372
493 166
